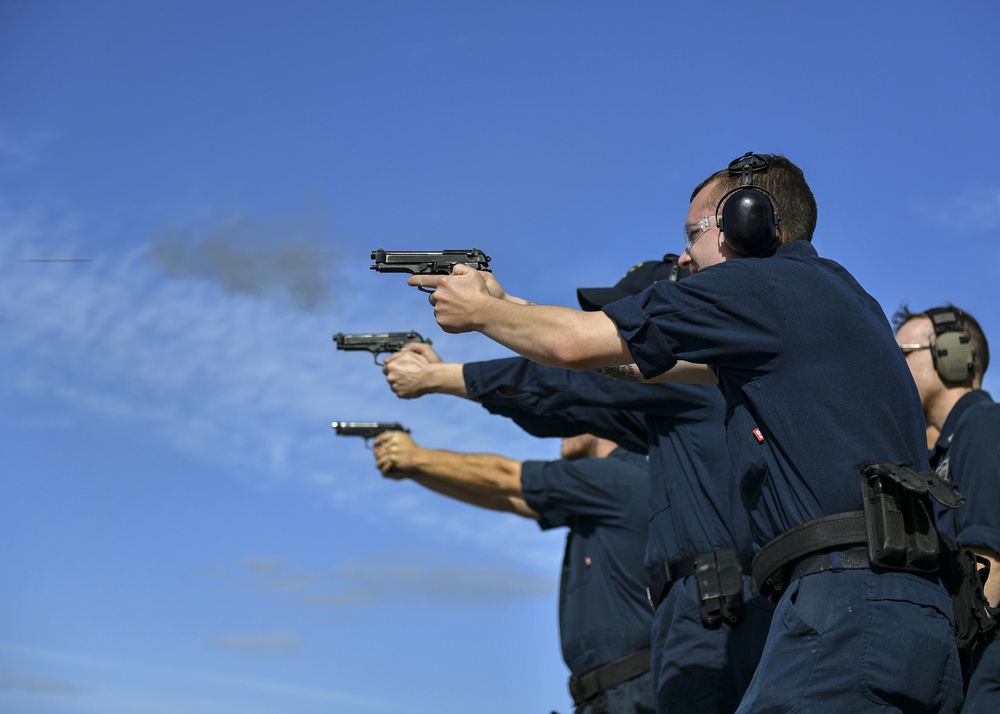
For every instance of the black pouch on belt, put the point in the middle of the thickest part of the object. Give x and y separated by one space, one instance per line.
720 586
964 575
900 516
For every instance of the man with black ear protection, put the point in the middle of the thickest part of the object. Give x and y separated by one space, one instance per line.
821 411
948 354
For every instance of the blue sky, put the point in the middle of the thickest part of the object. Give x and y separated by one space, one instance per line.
180 530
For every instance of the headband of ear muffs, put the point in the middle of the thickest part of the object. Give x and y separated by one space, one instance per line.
746 215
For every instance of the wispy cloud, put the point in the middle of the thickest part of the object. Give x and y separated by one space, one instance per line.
390 577
20 151
42 686
172 698
975 210
266 645
249 384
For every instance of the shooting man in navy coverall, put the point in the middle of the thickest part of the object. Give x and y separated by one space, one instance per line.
948 355
820 408
702 663
598 491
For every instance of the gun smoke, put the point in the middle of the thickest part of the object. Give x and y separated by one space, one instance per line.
252 256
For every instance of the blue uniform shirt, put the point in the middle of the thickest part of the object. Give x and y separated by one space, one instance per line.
815 385
603 613
694 505
968 453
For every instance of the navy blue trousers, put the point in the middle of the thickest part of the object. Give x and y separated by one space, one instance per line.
856 641
700 669
983 694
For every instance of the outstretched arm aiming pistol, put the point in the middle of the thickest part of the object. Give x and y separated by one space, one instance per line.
377 342
471 301
484 480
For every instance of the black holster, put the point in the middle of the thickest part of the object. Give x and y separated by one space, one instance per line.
720 586
899 517
964 574
902 536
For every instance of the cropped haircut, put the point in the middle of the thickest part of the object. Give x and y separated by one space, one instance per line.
978 341
794 200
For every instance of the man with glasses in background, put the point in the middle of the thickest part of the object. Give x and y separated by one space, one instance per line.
948 355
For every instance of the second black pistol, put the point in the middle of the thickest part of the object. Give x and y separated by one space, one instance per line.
377 342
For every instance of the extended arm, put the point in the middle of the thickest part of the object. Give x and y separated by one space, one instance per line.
547 334
484 480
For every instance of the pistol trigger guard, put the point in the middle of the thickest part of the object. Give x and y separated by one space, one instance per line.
422 289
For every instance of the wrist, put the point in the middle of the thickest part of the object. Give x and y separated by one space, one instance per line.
445 378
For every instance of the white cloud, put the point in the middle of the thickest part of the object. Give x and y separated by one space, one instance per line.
41 685
248 384
22 151
976 210
390 577
157 698
268 645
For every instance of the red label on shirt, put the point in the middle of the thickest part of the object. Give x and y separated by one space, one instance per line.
586 560
760 437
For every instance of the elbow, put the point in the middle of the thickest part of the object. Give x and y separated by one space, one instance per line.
569 355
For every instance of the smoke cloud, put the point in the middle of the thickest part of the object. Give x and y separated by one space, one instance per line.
247 255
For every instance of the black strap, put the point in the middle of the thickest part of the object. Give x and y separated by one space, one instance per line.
607 676
821 538
670 573
850 559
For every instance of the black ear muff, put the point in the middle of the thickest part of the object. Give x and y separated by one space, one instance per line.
746 215
748 221
952 348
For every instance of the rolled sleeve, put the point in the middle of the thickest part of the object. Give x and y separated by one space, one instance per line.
647 344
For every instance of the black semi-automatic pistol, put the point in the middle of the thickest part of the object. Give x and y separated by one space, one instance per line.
367 430
377 342
428 262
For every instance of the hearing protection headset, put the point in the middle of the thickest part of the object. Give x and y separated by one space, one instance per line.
952 348
747 215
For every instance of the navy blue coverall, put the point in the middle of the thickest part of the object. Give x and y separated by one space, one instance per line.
815 387
603 614
694 507
968 452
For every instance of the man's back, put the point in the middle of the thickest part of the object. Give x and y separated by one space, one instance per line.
814 383
603 612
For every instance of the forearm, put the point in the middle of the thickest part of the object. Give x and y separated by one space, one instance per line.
505 504
553 335
445 378
486 474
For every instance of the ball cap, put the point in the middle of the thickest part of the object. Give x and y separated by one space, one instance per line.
638 278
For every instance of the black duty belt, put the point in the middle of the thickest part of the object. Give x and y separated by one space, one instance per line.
669 573
837 542
607 676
